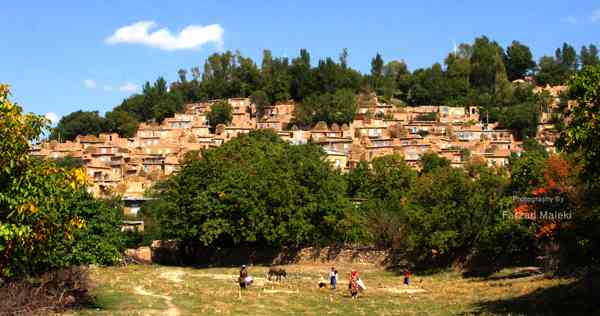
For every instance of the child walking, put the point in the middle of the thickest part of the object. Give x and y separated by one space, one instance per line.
333 278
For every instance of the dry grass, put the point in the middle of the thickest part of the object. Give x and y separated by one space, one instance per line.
214 291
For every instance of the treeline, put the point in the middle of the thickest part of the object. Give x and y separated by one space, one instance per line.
474 74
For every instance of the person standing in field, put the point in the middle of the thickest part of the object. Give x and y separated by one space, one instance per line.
353 285
407 275
333 278
243 276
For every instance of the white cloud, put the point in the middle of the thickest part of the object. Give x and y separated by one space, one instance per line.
129 87
571 20
595 16
52 117
89 83
107 88
192 36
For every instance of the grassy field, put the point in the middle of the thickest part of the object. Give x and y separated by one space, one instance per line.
160 290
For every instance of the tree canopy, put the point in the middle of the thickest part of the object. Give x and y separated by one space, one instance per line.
256 189
220 112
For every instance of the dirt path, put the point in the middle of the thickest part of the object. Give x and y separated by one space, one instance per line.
172 310
173 276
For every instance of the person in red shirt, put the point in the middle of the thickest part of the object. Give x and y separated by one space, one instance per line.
353 286
407 275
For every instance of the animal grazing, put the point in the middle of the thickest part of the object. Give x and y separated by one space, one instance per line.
278 273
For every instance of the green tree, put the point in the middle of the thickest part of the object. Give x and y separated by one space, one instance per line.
260 100
567 60
220 112
522 119
486 62
430 161
518 60
527 170
458 71
339 107
256 190
589 55
385 189
78 123
377 66
121 122
549 72
302 78
582 130
450 212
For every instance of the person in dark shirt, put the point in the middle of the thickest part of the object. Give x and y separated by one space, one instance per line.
243 275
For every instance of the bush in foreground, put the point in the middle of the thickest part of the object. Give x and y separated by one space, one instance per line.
48 220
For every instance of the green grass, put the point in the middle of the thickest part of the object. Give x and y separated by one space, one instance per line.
214 291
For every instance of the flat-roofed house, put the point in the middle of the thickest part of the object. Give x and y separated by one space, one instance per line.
339 160
455 156
234 131
171 165
88 140
270 123
497 157
335 144
377 147
370 131
322 131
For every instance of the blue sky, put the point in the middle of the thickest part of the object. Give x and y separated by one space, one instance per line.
58 57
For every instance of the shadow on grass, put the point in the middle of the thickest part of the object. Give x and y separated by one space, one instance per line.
577 298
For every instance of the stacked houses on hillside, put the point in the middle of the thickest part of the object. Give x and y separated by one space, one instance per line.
129 166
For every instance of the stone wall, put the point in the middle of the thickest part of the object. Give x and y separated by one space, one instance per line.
174 252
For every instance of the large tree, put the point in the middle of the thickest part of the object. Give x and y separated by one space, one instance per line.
220 112
260 100
549 72
589 55
121 122
582 130
377 66
486 61
256 189
567 59
518 60
78 123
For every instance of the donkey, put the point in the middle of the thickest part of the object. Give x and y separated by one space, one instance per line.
278 273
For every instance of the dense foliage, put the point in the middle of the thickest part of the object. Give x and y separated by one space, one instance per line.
48 220
577 178
220 113
443 214
256 189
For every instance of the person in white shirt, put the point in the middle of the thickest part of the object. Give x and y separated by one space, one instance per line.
333 278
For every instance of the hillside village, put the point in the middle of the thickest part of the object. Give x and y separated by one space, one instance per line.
129 166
